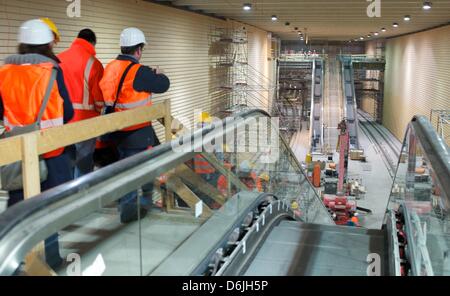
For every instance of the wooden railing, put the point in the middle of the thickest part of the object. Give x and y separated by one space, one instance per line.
28 147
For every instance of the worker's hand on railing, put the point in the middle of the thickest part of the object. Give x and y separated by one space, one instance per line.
158 70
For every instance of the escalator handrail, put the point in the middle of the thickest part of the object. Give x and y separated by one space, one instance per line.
20 211
436 150
20 216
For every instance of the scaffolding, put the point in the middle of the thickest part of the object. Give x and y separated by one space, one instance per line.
441 121
292 104
369 88
229 51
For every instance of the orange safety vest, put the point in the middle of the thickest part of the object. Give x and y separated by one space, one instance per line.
129 98
82 73
253 182
222 184
202 166
22 89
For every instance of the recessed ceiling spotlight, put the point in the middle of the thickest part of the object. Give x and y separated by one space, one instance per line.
376 33
426 5
356 39
368 36
361 38
383 29
407 18
274 18
247 7
395 25
287 23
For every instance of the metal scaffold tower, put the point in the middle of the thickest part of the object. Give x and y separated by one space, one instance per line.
230 61
441 121
369 87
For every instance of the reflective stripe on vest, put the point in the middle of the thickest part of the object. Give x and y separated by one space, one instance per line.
144 102
129 98
22 89
87 73
44 123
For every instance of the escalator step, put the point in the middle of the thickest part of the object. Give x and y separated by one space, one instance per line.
334 228
327 238
306 259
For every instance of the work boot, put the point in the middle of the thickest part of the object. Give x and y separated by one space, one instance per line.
127 216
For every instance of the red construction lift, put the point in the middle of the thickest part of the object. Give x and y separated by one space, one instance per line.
339 204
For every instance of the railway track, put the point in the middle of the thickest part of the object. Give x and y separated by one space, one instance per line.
383 142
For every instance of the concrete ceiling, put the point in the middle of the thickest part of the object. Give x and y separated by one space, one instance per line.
325 19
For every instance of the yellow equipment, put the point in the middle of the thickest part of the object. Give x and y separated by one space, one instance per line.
52 27
308 159
204 117
265 177
294 205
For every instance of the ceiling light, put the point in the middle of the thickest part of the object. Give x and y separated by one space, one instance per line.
356 39
375 33
296 28
368 36
247 7
361 38
426 5
274 18
395 25
383 29
406 18
287 23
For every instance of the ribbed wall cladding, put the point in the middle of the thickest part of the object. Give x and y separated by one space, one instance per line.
178 42
417 77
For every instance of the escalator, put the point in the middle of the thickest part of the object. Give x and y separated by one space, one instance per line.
350 107
280 227
316 130
331 250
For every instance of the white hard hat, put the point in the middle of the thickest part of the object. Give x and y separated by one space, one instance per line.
35 32
245 167
356 214
131 37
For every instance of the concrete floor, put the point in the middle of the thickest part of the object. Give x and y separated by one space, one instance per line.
374 175
376 179
102 239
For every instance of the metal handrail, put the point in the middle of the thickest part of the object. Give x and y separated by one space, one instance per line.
437 152
27 223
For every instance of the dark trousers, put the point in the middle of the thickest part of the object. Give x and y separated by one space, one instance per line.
59 172
128 203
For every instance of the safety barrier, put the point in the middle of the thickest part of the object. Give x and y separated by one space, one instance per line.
27 147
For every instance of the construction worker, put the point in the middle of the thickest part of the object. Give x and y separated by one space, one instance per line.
248 177
139 82
353 220
24 80
82 73
52 26
222 182
264 180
